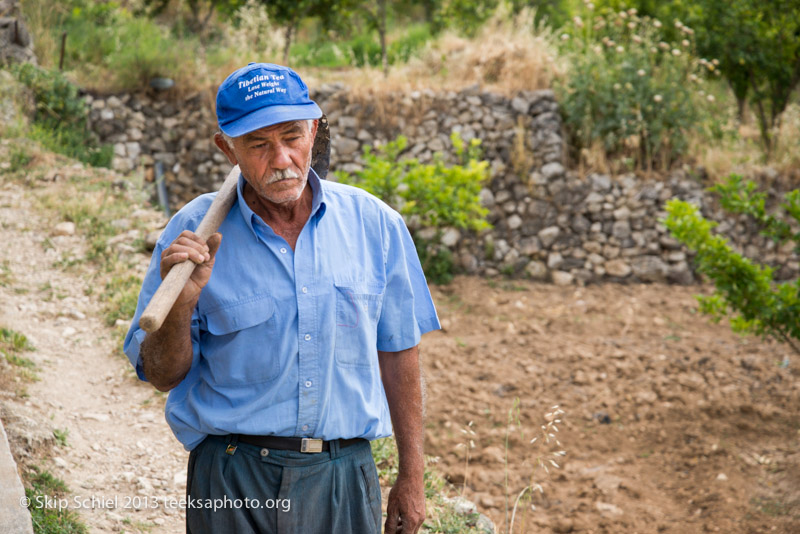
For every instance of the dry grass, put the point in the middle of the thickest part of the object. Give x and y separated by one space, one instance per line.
509 54
743 153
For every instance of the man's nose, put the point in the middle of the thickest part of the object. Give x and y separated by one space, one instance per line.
280 157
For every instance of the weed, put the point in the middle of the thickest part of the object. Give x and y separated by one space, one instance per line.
13 341
6 276
61 436
43 488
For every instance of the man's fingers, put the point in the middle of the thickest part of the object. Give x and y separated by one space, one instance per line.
392 520
213 244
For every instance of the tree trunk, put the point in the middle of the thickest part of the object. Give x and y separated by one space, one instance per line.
382 34
288 42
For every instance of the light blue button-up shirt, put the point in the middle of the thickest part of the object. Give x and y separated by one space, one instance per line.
286 342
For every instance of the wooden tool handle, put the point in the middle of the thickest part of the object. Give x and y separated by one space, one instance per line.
172 285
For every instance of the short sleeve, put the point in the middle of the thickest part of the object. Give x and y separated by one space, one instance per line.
408 310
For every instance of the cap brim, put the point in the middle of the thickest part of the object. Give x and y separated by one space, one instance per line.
269 116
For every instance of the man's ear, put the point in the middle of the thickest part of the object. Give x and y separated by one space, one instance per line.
314 126
227 149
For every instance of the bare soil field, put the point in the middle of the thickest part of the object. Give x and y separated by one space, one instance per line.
672 423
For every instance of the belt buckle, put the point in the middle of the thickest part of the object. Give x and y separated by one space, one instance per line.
311 445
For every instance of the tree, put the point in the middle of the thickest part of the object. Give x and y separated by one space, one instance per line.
757 44
745 291
200 11
290 13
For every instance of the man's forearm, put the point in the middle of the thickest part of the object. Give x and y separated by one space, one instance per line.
401 381
167 353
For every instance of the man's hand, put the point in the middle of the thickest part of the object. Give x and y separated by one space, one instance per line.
167 353
189 246
405 510
400 373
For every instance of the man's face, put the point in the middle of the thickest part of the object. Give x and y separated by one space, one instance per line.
275 160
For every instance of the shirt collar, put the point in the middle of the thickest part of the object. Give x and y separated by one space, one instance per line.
317 199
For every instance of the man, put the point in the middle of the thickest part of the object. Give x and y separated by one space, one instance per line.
294 342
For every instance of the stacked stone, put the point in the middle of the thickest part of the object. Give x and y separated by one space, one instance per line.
548 223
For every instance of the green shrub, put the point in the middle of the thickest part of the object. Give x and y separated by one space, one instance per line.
745 291
431 196
60 119
632 92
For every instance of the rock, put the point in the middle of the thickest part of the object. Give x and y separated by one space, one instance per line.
600 182
450 237
345 146
560 278
72 313
552 171
151 239
548 236
722 477
622 213
64 228
618 268
608 509
554 260
514 222
536 270
101 417
649 269
520 105
487 198
68 332
621 230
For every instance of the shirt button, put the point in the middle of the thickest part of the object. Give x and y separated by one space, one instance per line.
283 250
264 452
305 427
308 337
308 383
304 290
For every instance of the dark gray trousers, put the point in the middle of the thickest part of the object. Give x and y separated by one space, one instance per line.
239 488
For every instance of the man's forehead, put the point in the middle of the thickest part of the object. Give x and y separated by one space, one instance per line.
281 127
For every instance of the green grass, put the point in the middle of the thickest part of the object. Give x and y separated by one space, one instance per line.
48 495
61 436
6 276
13 342
441 517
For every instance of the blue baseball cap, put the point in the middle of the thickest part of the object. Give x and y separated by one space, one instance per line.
260 95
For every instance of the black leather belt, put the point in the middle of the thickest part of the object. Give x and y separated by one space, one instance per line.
295 444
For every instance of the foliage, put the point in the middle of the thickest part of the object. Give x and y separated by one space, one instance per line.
631 91
441 519
756 43
107 40
467 16
53 519
745 291
13 342
60 117
200 11
431 196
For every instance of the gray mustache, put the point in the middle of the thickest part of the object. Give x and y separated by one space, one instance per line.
282 175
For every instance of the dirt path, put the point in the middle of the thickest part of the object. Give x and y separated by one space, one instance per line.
119 448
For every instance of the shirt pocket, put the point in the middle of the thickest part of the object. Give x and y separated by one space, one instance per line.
358 309
240 343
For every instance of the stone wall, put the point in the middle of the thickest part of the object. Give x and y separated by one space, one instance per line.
16 45
548 222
